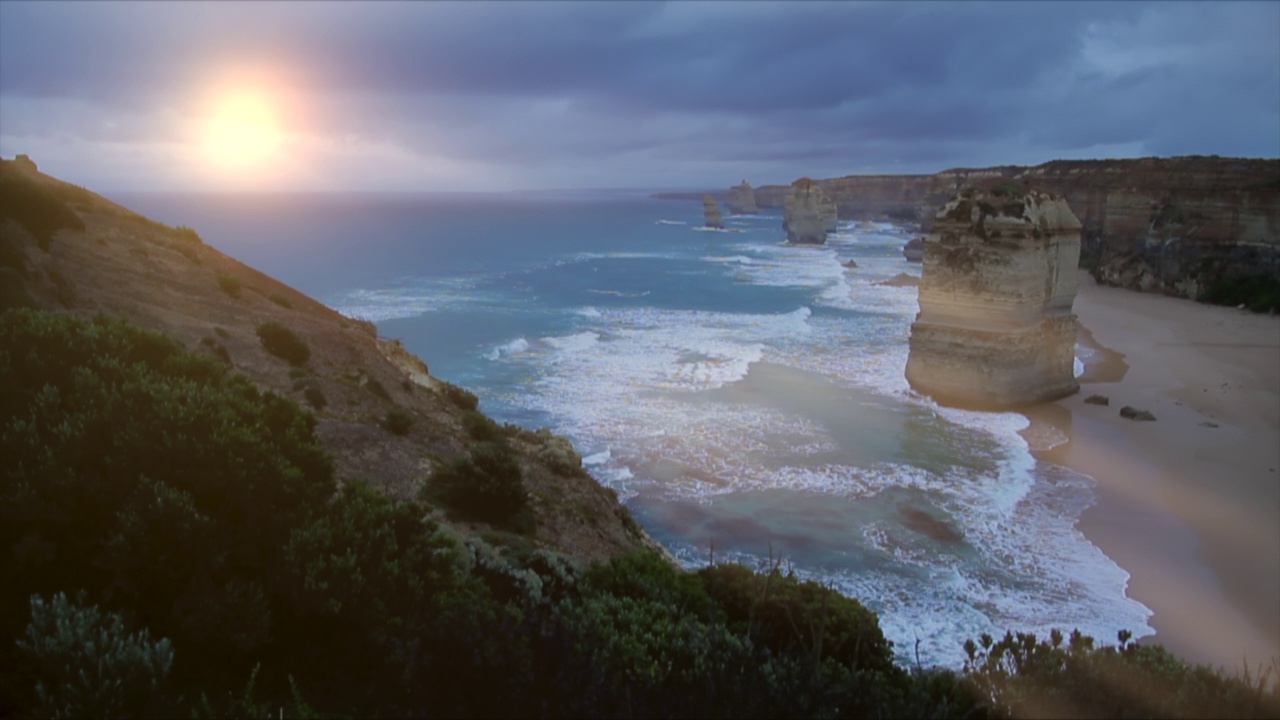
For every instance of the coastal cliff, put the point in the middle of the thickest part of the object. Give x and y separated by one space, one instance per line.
741 200
65 249
1171 225
995 327
809 214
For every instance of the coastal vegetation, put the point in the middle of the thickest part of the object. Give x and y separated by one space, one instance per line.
284 343
1259 293
175 544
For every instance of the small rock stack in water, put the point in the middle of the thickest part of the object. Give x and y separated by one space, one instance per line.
711 214
995 327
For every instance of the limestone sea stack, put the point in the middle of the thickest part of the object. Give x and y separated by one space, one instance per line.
995 327
808 214
711 213
741 200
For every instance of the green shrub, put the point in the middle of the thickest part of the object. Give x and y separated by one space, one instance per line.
1021 676
485 485
87 665
315 397
397 421
481 427
147 476
280 300
283 343
218 349
1259 293
459 397
229 284
310 388
35 206
794 617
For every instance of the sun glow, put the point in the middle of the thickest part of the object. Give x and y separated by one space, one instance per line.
242 132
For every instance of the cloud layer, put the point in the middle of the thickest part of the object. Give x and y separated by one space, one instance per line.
438 96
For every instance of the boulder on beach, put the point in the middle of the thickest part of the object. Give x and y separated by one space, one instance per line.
1135 414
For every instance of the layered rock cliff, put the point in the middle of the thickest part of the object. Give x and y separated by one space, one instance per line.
995 327
808 213
1171 225
711 216
741 200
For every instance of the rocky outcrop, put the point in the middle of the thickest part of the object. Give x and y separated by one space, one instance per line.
913 251
995 327
808 213
711 214
741 200
24 163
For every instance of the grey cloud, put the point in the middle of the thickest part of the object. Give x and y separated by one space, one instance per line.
697 86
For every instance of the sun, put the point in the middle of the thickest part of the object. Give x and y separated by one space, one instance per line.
242 132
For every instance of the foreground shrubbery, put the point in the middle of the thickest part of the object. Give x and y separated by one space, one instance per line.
1259 293
218 572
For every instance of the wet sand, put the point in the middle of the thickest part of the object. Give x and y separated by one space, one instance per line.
1189 504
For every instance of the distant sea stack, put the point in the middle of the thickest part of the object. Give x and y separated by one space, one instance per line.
995 327
711 213
808 213
741 200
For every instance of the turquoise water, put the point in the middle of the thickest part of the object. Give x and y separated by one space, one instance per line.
743 396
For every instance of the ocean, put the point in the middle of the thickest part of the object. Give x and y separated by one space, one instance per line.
744 397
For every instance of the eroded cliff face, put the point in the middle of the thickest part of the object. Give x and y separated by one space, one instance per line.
995 327
1173 225
741 200
808 213
711 216
1170 225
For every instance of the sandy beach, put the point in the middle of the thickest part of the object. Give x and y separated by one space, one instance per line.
1188 504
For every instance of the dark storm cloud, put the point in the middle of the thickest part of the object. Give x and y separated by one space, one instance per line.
682 91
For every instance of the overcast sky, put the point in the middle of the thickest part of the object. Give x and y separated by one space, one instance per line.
439 96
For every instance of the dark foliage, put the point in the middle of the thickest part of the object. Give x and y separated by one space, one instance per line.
280 300
481 427
190 508
35 206
397 421
283 343
459 397
145 476
486 484
1259 293
375 387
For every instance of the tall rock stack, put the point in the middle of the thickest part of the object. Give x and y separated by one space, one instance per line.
711 214
741 200
808 213
995 327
